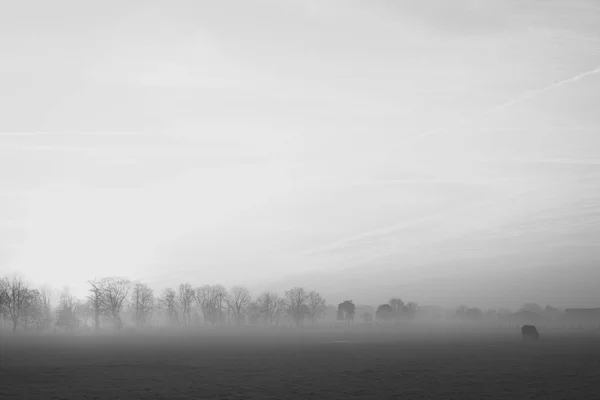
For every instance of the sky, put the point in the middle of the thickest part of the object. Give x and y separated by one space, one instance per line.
442 151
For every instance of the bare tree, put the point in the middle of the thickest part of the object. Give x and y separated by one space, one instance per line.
203 299
15 298
296 302
114 293
97 303
67 311
45 293
32 313
270 306
212 300
253 311
142 304
218 301
83 311
186 300
238 300
316 306
168 301
3 294
281 311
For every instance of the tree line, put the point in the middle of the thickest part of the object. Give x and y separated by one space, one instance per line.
108 299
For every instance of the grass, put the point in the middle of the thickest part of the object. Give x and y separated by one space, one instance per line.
361 364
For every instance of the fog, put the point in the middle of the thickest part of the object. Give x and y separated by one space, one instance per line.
443 153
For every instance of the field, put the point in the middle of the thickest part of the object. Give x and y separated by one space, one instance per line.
350 364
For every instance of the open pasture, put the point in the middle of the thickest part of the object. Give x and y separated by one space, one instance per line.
357 364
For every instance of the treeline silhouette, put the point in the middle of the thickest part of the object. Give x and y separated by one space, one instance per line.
116 301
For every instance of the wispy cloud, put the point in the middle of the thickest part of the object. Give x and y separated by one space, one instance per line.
73 134
533 160
519 99
359 239
392 182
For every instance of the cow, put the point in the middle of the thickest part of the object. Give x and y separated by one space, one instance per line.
530 332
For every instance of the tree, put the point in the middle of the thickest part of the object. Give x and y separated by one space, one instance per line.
141 304
211 300
218 301
397 305
45 293
186 299
474 314
3 297
532 307
238 300
411 309
114 293
346 311
203 299
66 313
97 303
83 311
385 312
253 311
169 302
270 306
316 306
296 302
16 294
32 313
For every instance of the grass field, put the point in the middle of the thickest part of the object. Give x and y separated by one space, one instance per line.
285 365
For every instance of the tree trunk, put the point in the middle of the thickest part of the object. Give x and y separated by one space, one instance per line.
15 321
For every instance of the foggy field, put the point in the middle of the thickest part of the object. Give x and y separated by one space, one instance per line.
360 363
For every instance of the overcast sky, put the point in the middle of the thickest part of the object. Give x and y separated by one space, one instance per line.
428 146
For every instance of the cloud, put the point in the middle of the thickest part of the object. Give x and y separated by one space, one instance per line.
516 100
358 240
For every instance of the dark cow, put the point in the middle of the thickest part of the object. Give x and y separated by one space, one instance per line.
530 332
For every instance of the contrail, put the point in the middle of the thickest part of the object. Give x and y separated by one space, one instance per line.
564 161
387 182
525 96
41 133
343 243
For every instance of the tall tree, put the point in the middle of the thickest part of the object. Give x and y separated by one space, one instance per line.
218 301
83 311
316 306
385 312
346 310
238 300
296 301
270 306
32 313
67 311
204 300
45 294
186 300
97 302
397 306
168 301
15 298
254 312
3 297
115 291
141 304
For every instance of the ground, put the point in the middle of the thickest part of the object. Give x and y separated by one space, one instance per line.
361 364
